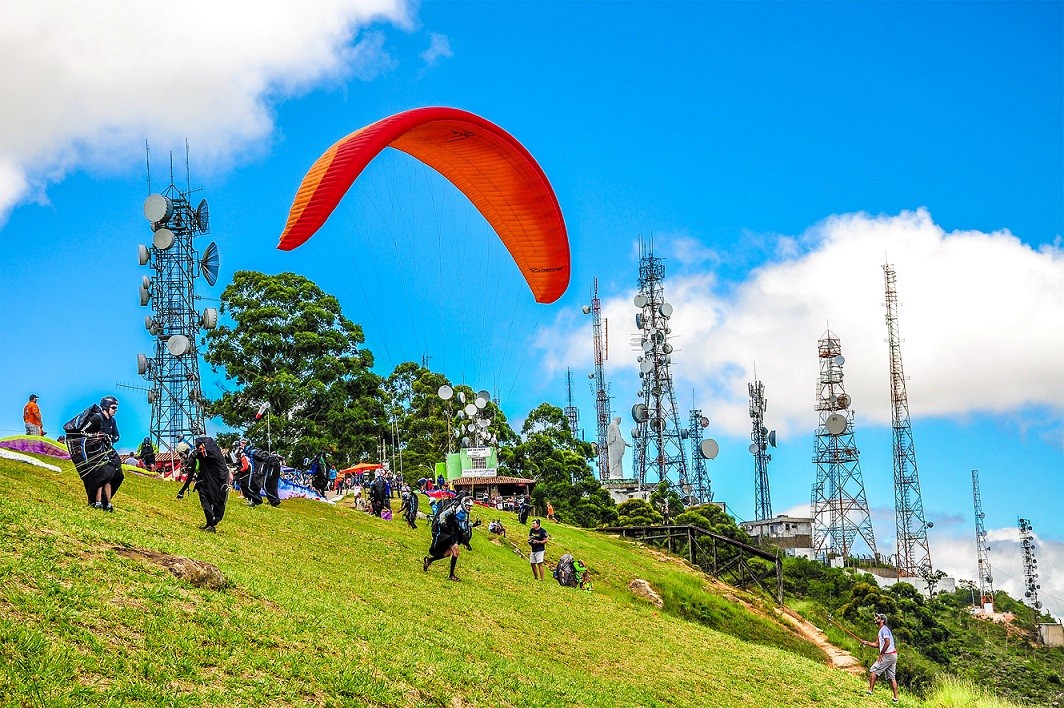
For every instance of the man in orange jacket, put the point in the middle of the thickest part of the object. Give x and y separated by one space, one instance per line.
31 415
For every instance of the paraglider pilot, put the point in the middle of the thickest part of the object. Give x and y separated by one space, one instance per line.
452 527
204 460
90 438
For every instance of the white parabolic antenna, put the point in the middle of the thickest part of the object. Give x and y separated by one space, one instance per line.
445 392
480 402
586 310
178 344
709 449
840 360
835 424
639 413
640 300
665 309
163 239
646 366
143 254
704 422
752 448
158 208
471 409
483 393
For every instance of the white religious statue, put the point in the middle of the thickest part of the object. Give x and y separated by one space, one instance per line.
615 445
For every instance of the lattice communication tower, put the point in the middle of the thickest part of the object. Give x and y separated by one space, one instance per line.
701 486
174 390
986 577
658 435
1030 565
839 506
914 554
760 438
572 413
598 380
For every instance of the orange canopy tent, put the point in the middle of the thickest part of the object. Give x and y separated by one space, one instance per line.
361 467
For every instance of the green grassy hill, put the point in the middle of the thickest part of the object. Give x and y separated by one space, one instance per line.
329 606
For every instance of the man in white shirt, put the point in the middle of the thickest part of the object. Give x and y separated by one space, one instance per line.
888 657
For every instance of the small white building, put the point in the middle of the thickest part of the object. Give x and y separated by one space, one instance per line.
1052 635
793 534
624 489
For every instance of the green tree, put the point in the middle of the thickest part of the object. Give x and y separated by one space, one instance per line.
560 464
290 346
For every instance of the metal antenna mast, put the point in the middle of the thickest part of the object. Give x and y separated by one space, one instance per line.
1030 564
761 438
572 413
914 554
598 377
174 393
839 506
658 434
701 489
986 578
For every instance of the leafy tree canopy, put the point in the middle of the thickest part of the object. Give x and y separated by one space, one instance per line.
290 346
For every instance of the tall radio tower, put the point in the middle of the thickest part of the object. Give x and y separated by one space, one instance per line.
913 552
701 486
598 377
761 438
1030 564
986 578
572 413
839 507
659 442
174 390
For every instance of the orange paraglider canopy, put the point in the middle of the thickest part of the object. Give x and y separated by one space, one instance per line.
487 164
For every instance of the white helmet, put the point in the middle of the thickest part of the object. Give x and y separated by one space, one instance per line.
467 503
183 449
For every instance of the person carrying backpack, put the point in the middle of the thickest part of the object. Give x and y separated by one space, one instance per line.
409 508
146 453
451 528
90 439
378 494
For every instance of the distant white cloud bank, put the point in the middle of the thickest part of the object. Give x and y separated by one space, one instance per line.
85 83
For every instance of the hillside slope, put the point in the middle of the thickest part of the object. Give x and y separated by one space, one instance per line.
329 606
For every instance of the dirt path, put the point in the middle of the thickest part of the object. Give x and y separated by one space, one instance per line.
840 659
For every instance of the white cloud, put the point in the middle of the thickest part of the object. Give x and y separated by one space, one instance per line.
979 321
85 83
439 48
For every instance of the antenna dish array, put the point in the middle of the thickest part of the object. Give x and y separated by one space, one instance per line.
173 371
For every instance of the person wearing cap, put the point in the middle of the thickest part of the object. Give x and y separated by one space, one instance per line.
537 544
888 657
90 438
204 461
31 416
451 529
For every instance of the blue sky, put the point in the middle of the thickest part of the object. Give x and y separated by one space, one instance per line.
777 153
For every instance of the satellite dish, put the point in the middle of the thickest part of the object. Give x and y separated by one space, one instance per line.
148 322
445 392
209 263
640 300
639 413
471 409
145 282
203 217
210 318
457 432
465 442
647 345
704 422
142 364
684 434
667 349
635 432
144 295
152 396
772 438
591 374
840 360
638 319
482 393
665 309
842 400
143 254
752 448
657 424
835 424
480 402
930 524
178 344
586 310
646 366
158 208
764 431
163 239
709 449
460 415
461 397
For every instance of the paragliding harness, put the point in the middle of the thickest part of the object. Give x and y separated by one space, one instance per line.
572 573
260 459
88 451
410 515
464 535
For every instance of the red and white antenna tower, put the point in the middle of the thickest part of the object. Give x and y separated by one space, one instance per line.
986 578
598 377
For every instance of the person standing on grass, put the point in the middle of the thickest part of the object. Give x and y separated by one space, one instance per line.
90 439
537 544
31 416
451 528
147 454
888 657
204 461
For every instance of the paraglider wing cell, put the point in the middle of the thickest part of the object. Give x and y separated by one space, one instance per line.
487 164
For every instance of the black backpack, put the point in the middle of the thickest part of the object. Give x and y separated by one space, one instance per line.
564 572
75 424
